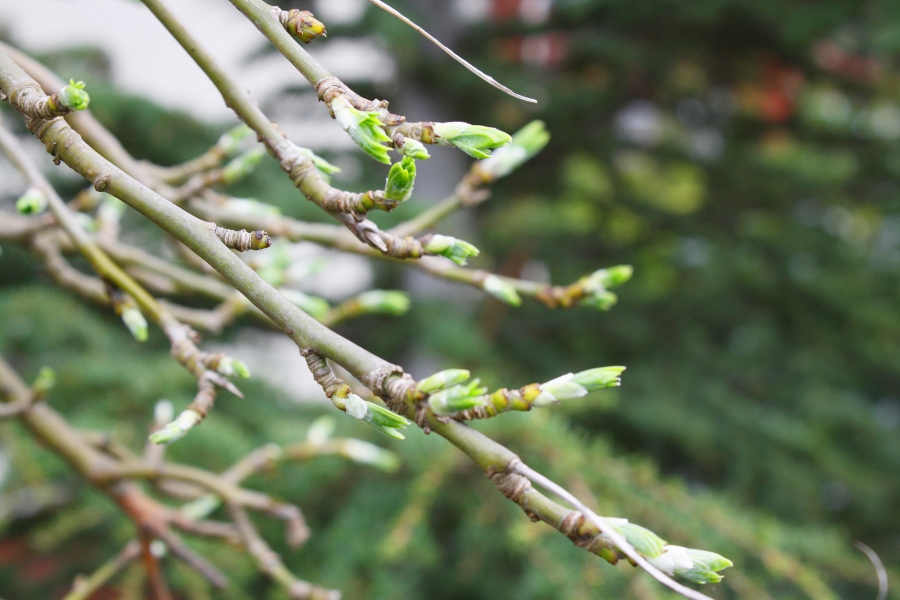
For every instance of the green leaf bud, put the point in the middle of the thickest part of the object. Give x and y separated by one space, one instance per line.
501 290
559 389
44 382
380 418
314 306
243 165
442 380
599 378
389 302
176 429
135 322
73 96
525 143
705 566
230 367
456 250
363 127
644 541
400 180
321 430
32 202
601 301
302 24
698 566
370 454
415 149
230 141
604 279
475 140
325 168
457 398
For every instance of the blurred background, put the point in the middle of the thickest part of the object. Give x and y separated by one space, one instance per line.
743 156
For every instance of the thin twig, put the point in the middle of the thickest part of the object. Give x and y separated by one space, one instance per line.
452 54
879 569
607 530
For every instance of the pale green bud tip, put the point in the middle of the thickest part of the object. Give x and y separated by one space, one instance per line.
389 302
415 149
73 96
475 140
45 380
603 300
135 322
644 541
231 140
501 290
32 202
370 454
177 429
314 306
320 430
302 24
698 566
243 165
324 167
377 416
599 378
442 380
458 398
526 142
230 367
400 180
559 389
363 127
605 279
456 250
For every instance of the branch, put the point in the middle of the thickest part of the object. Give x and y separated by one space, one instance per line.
387 381
84 587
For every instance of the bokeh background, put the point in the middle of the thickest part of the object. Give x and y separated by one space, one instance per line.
743 156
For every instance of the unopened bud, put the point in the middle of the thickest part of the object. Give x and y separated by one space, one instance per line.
230 141
314 306
458 398
456 250
302 24
32 202
44 382
475 140
230 367
389 302
599 378
400 180
525 143
73 96
320 430
442 380
415 149
176 429
370 454
501 290
135 322
241 166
